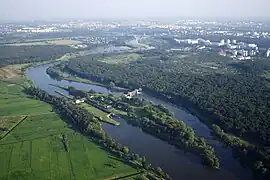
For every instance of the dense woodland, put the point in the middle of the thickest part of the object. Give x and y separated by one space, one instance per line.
239 102
28 54
237 99
255 158
87 124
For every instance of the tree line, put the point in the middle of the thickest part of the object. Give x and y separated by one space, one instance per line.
257 159
87 124
238 102
29 54
176 132
158 121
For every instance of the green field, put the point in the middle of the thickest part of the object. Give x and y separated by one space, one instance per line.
34 148
98 113
8 122
121 58
47 42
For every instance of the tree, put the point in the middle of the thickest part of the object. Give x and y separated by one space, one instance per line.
258 165
125 150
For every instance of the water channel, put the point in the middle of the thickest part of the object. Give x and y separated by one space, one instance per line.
178 164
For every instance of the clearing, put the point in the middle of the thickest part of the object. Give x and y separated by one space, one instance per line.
121 58
7 73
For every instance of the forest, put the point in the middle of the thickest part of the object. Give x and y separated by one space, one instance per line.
255 158
238 102
29 54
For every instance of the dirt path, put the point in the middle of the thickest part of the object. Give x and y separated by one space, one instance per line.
7 73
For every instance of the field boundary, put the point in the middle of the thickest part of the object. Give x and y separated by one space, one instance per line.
14 126
2 144
30 155
123 175
9 162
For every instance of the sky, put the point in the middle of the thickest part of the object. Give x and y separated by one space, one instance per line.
126 9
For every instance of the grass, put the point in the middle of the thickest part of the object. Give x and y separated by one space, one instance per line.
36 126
8 122
45 158
34 148
47 42
13 101
81 80
121 58
98 113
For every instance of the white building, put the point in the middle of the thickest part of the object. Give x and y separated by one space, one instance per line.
222 41
268 53
234 41
78 101
252 53
253 46
228 41
243 52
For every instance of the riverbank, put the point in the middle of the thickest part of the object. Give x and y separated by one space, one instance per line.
188 106
160 153
86 124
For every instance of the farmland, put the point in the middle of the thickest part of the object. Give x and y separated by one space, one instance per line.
47 42
32 146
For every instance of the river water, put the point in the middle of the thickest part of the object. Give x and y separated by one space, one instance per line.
178 164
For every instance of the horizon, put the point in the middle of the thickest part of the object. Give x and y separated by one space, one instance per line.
29 10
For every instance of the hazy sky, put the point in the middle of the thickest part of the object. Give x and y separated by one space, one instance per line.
59 9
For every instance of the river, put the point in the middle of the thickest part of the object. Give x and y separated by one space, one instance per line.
177 163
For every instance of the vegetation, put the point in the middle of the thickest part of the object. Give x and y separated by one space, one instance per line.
47 42
234 95
158 121
100 115
239 101
8 123
27 54
44 146
87 124
257 159
53 73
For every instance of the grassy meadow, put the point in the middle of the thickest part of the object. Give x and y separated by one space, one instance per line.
34 149
47 42
99 114
121 58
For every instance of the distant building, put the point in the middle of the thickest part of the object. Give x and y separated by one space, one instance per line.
252 53
244 58
234 41
222 41
78 101
228 41
134 93
243 52
232 46
253 46
268 53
